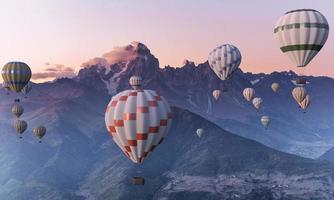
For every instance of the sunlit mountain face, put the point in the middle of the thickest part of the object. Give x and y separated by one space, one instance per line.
235 159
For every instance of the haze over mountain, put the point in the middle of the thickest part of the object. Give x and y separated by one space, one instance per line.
191 87
78 160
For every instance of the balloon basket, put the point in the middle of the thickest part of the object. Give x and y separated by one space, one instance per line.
138 180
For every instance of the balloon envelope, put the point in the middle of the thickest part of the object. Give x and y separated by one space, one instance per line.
257 101
16 75
301 34
216 94
299 94
17 110
138 121
224 60
265 121
20 126
275 87
200 132
39 132
135 82
305 103
248 93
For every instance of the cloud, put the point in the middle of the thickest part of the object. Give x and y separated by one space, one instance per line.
55 71
118 54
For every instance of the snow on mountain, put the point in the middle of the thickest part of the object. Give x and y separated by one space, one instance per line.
191 86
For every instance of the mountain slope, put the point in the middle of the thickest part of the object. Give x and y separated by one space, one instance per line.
191 87
78 160
218 166
328 155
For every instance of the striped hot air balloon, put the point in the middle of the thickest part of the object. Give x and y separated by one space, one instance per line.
39 132
248 93
301 34
305 103
299 94
138 120
20 126
16 75
135 82
224 60
17 110
257 102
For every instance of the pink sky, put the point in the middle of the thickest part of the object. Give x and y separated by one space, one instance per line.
69 33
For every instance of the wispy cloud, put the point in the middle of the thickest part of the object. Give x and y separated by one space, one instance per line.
54 71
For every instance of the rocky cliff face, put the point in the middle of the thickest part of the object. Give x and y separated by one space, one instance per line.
191 87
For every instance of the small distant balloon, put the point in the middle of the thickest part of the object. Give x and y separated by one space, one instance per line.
299 94
275 87
265 121
20 126
248 93
200 132
39 132
216 94
17 110
257 102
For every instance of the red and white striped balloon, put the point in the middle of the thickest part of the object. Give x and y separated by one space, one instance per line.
138 120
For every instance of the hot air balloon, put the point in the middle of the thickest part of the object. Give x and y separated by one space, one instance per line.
138 120
224 60
216 94
27 88
275 87
135 82
257 101
301 34
17 110
40 132
299 94
200 132
16 75
20 126
265 121
305 103
248 93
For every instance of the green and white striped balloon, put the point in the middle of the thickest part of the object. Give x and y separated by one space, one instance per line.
301 34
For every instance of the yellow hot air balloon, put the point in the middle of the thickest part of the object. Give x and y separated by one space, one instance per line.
20 126
16 75
299 94
265 121
248 93
17 110
275 87
305 103
40 132
216 94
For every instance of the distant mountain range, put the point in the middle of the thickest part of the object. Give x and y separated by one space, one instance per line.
78 160
191 87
